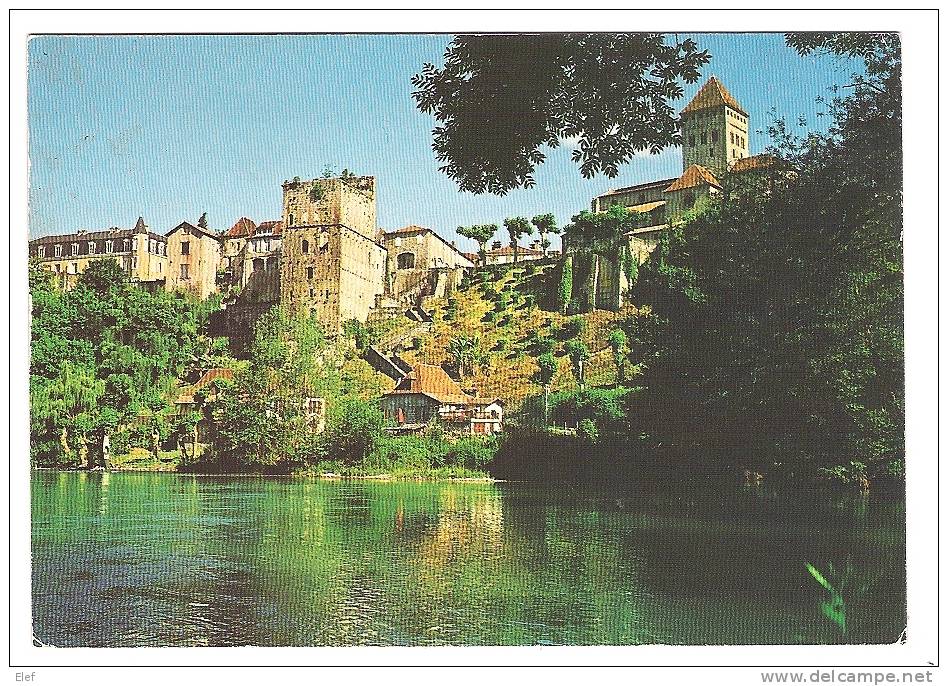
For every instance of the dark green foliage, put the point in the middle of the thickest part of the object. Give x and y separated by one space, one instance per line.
202 221
574 327
777 313
105 356
517 227
546 225
352 429
481 233
566 285
361 334
499 98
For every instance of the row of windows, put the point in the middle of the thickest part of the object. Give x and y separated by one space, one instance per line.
740 118
73 267
127 245
738 140
692 140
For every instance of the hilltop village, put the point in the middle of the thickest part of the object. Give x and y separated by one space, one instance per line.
325 259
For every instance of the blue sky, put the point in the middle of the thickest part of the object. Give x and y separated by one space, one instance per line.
170 127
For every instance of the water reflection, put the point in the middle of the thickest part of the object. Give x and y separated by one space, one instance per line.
163 559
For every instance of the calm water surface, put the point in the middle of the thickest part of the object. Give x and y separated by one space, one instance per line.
128 559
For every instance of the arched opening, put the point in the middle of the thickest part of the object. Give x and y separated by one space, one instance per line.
305 246
406 260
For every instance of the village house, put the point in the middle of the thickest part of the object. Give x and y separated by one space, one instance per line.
194 254
427 394
142 254
421 263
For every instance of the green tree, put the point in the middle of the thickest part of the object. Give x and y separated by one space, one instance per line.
619 343
481 233
546 225
465 351
546 371
499 99
600 234
353 429
517 227
578 355
565 293
783 334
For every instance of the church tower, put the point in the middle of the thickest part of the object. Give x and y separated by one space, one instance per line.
714 129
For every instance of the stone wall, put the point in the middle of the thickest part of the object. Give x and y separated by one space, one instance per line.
320 202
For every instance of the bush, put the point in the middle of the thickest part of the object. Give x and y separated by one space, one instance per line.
587 430
574 327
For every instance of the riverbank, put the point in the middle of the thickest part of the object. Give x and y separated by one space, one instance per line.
443 474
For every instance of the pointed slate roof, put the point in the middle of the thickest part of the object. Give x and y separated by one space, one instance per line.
694 176
713 94
140 226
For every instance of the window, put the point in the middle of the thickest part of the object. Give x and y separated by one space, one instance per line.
135 262
710 152
126 245
58 250
153 246
109 246
75 248
185 249
291 220
159 268
406 260
689 199
305 247
714 136
92 247
135 243
704 138
309 272
184 272
41 251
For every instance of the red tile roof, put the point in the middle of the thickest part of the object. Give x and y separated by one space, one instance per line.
694 176
242 227
187 393
433 381
274 226
713 94
411 228
756 162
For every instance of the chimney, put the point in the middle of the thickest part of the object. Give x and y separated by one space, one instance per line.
495 245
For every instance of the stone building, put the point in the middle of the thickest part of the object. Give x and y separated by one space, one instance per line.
715 144
194 256
233 241
141 253
331 266
427 394
421 263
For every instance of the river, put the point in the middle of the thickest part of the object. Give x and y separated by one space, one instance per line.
151 559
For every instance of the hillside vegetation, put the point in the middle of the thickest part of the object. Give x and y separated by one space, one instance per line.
507 313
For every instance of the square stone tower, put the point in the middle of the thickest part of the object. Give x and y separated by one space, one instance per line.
714 129
331 266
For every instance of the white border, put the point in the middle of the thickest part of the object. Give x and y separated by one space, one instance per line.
919 41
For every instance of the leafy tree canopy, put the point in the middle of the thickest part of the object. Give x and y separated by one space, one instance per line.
498 99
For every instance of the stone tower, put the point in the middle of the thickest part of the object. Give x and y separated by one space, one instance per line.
331 266
714 128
